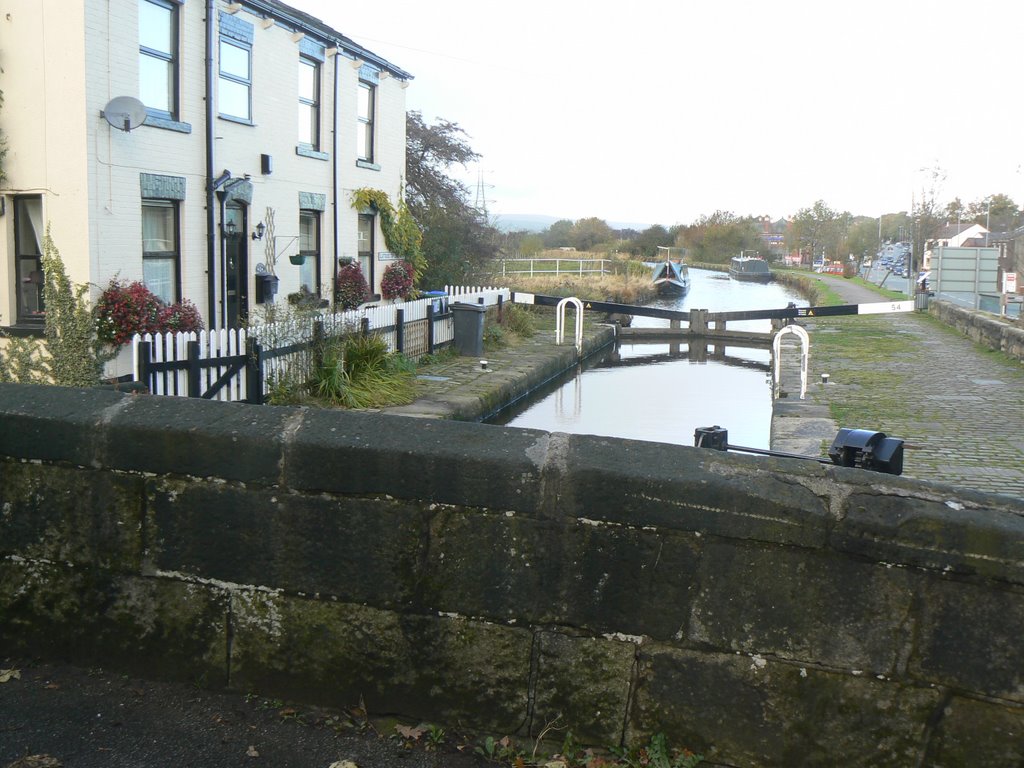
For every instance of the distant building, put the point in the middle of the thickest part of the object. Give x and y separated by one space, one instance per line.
287 120
963 235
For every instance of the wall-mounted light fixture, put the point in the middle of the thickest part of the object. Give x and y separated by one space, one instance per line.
230 228
259 230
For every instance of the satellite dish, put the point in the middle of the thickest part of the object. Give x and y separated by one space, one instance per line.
125 112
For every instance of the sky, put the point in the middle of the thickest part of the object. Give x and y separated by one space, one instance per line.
662 111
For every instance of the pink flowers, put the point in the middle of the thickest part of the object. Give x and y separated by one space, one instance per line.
125 309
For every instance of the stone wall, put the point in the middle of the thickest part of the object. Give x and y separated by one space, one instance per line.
761 611
982 327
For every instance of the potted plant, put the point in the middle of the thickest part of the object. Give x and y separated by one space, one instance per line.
397 280
350 288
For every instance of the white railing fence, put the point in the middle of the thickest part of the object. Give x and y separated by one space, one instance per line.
243 364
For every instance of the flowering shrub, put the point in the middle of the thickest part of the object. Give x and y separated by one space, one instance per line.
397 280
183 316
350 288
125 309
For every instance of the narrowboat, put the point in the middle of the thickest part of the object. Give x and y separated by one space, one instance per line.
752 269
671 278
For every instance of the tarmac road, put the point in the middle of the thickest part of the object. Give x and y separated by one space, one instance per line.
97 719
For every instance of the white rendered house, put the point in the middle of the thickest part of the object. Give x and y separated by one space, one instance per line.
251 112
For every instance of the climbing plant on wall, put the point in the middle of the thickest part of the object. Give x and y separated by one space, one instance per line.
401 233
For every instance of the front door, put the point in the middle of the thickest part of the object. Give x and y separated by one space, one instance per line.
236 267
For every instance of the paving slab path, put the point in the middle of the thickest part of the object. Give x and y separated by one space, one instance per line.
958 406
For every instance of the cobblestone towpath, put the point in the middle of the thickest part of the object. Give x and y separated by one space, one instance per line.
958 406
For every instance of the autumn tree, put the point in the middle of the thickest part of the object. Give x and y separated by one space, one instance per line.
718 237
457 239
818 230
647 242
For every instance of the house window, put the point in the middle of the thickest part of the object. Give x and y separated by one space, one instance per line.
160 254
309 246
28 244
365 247
234 95
158 77
364 140
309 103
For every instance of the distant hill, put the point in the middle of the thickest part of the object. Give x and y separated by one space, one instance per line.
535 222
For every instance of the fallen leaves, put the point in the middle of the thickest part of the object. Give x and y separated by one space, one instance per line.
252 751
36 761
6 675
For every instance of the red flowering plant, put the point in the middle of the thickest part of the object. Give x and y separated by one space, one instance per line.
397 280
125 309
350 288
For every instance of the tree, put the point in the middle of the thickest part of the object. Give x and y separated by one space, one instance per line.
559 234
997 212
818 230
457 239
589 232
646 244
717 238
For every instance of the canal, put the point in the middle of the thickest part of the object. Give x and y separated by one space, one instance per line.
662 392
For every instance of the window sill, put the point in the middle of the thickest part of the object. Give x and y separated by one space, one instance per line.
167 124
367 165
311 153
25 330
239 120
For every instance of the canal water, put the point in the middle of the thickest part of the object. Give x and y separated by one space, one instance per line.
663 392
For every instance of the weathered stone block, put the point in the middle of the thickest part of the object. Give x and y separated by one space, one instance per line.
152 627
431 460
951 536
691 489
599 576
71 516
358 550
802 605
970 638
584 681
974 732
334 654
54 423
745 710
161 435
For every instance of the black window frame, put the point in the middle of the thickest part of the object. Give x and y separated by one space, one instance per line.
367 123
315 253
173 255
232 78
313 105
36 276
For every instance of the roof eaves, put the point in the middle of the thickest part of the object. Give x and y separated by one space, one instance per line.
304 22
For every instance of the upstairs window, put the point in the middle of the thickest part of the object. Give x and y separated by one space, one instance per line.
28 244
158 54
235 93
365 111
160 253
309 103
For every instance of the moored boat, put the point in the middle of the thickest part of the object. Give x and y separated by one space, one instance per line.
752 269
671 278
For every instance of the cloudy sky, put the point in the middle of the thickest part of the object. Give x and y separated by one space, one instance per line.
660 111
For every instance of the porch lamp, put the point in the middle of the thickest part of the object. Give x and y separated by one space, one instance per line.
259 230
229 227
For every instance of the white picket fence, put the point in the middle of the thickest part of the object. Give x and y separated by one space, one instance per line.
219 365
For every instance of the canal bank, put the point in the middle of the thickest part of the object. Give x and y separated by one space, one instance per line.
958 406
473 389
